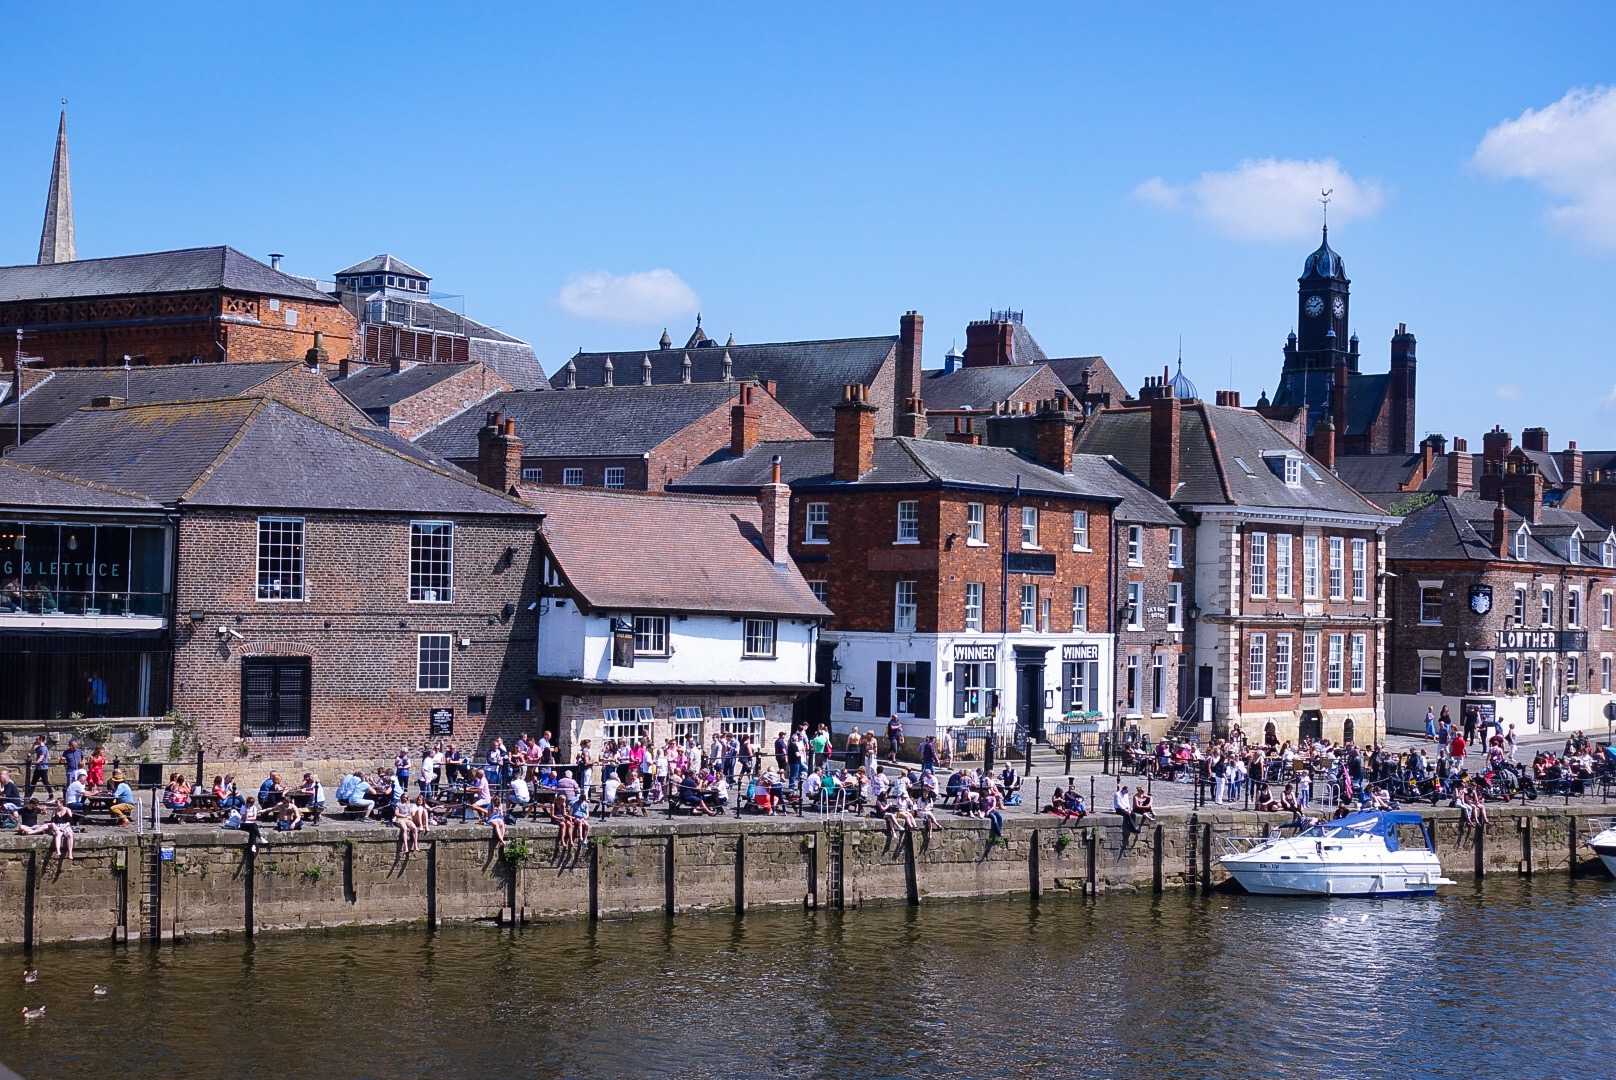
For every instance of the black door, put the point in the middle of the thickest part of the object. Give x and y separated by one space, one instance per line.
1204 681
1311 726
1030 699
813 709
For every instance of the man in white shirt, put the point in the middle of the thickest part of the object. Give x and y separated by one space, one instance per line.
611 786
520 795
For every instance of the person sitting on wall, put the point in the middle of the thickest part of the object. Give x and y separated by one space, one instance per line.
520 795
288 818
271 791
563 821
353 793
1265 802
177 795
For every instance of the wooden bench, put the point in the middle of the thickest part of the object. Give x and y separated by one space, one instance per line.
632 804
201 810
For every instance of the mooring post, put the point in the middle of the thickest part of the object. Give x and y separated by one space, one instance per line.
1034 867
1156 861
1524 826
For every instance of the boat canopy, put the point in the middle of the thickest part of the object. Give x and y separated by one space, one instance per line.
1382 823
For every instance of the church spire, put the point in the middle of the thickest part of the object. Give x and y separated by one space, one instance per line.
56 238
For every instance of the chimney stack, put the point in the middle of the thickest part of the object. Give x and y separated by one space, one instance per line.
499 454
1496 445
342 368
1165 412
911 331
1052 434
989 343
1571 468
775 500
395 364
1535 438
854 449
317 355
912 421
275 258
744 423
106 401
1523 492
1400 393
964 432
1461 468
1324 442
1500 526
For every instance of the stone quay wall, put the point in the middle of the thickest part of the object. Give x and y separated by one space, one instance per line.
201 882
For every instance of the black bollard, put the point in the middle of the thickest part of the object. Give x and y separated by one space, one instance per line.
987 755
1029 753
1069 740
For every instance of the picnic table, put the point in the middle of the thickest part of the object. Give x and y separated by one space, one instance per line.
201 808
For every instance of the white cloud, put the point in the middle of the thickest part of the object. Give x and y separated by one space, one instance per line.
642 296
1568 149
1508 392
1268 199
1610 399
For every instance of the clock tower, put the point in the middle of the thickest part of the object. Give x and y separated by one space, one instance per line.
1321 341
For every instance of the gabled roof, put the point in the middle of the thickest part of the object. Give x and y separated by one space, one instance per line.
637 552
810 374
1221 460
252 452
512 357
1380 477
1024 348
184 270
377 386
974 387
1462 528
611 421
903 463
382 264
67 390
1101 377
28 486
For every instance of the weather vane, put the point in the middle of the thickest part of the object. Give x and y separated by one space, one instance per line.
1324 197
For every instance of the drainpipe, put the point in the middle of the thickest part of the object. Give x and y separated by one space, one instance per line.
1116 635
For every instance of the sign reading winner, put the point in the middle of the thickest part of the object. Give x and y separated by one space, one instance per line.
1087 651
975 654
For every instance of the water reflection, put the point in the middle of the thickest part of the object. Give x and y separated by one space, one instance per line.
1124 986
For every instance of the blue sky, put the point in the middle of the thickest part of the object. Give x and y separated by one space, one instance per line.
805 171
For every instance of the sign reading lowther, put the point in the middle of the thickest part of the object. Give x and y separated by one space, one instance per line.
1542 640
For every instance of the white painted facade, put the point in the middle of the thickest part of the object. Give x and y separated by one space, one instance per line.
944 663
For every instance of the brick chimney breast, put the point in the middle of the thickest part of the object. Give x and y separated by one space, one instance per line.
775 500
911 333
744 422
853 452
1165 413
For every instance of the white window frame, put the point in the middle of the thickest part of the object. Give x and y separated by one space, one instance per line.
1080 530
429 682
1310 567
688 723
1605 673
820 588
1512 674
1044 605
816 523
1607 552
1130 686
1335 667
1029 607
1546 612
1518 613
430 583
756 632
1573 673
1136 545
1573 609
1282 665
532 475
1430 667
1605 605
1574 547
905 607
976 528
653 630
1522 537
1482 665
1360 568
1283 570
1175 547
615 477
1080 607
905 681
1257 564
1029 526
1310 662
572 477
1257 665
973 605
1358 663
624 725
1426 618
1175 605
908 521
1338 568
1158 684
287 555
1135 609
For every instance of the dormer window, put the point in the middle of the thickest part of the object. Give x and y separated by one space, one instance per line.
1521 536
1574 548
1607 551
1285 465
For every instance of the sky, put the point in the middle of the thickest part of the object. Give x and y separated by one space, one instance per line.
1128 177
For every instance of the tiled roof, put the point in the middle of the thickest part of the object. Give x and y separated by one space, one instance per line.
612 421
622 551
974 387
1462 528
810 374
382 264
1380 477
27 486
377 386
68 390
1221 460
908 463
185 270
252 452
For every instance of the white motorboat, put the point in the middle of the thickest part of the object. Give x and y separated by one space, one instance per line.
1604 846
1374 853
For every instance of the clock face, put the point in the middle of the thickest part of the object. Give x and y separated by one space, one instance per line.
1315 306
1340 308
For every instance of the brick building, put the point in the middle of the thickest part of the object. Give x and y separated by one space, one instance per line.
638 438
336 597
196 305
410 399
666 616
969 582
1287 615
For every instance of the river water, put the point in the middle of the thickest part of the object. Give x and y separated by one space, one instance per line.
1509 979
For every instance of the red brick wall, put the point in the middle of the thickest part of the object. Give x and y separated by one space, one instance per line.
359 629
710 434
420 413
312 392
1155 574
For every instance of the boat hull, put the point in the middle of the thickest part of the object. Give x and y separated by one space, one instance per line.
1604 846
1368 880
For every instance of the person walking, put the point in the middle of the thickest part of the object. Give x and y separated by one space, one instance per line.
39 767
95 695
894 737
1430 724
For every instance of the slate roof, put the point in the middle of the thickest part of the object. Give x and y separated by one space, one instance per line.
668 553
27 486
252 452
1024 348
184 270
611 421
1101 377
973 387
1221 460
378 387
1366 397
383 264
902 463
67 390
1139 505
512 357
1461 528
809 374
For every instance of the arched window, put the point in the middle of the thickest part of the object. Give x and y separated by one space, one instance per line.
1347 731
